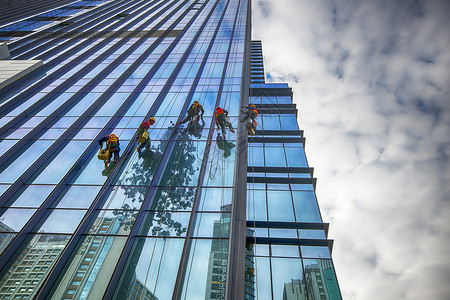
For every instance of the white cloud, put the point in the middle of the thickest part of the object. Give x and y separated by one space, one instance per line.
371 80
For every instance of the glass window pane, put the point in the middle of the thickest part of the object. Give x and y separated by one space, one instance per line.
287 274
280 206
271 122
207 262
78 197
275 157
33 196
14 219
256 205
315 252
62 221
12 172
285 251
262 279
96 258
165 223
5 239
220 166
283 233
296 157
113 222
125 197
183 166
289 122
151 268
44 249
62 163
174 199
212 224
321 279
311 234
306 208
213 199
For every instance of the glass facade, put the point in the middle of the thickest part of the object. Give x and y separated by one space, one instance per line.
159 224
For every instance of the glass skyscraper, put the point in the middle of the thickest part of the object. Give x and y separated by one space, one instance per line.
201 215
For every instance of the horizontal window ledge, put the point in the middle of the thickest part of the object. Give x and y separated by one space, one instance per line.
283 241
251 179
257 139
289 225
276 106
280 132
280 170
270 92
275 110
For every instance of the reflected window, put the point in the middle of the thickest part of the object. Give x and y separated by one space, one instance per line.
151 269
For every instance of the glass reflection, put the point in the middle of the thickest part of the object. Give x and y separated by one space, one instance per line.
62 221
262 279
220 168
166 224
321 279
206 270
5 239
14 219
32 196
287 279
32 266
151 269
91 268
212 199
173 199
183 166
113 222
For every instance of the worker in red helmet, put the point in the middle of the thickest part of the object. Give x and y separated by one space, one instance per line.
195 111
112 144
142 134
222 119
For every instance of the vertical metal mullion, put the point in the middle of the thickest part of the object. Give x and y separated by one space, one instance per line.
235 287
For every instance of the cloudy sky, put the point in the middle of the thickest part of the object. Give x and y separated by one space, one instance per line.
371 80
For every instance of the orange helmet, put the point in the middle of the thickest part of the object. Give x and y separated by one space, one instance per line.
152 121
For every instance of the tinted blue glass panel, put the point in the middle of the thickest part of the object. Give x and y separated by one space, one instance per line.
280 206
5 239
323 271
165 224
30 154
152 263
196 282
14 219
262 278
33 196
275 156
296 157
285 251
289 122
286 271
256 205
79 197
315 252
306 209
62 221
213 199
62 163
95 260
212 225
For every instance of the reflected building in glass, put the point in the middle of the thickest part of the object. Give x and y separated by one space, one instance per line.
201 215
